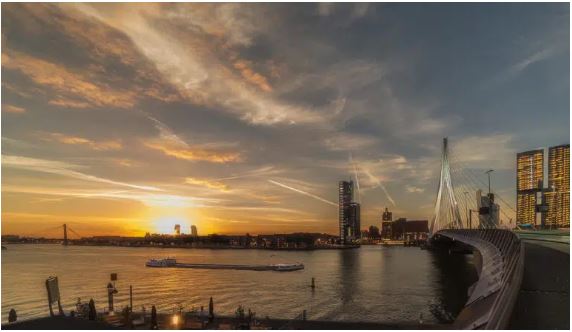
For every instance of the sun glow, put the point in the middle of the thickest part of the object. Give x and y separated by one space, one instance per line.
166 224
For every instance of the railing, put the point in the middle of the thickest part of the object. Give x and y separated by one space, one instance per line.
493 296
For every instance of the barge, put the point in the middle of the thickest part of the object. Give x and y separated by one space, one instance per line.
172 263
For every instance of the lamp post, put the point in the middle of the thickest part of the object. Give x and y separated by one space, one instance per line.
489 175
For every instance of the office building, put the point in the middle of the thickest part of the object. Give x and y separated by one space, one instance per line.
177 229
194 232
489 211
558 192
345 200
354 222
403 229
386 222
529 179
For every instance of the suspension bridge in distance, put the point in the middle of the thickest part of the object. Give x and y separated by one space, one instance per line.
494 300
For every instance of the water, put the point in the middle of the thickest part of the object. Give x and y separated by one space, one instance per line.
372 283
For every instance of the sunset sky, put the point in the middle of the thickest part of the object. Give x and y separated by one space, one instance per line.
128 118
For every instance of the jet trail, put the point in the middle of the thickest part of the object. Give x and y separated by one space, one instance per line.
303 192
357 177
379 184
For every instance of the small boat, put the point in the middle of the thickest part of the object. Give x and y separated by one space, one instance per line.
164 262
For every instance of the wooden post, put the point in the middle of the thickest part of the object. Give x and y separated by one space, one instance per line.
130 297
110 289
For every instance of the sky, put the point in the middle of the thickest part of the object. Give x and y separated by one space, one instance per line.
122 119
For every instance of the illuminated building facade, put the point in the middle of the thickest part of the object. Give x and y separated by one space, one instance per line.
558 192
529 177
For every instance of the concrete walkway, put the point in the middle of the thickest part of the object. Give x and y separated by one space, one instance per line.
544 298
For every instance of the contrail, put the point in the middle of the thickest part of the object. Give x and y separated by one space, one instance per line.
357 177
379 184
302 192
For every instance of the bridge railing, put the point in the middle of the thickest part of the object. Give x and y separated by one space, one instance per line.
493 296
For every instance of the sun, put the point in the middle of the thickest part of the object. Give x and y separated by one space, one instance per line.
166 224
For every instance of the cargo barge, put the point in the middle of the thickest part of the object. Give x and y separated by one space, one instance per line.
172 263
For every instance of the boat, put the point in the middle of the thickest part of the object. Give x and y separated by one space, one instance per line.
288 267
171 262
163 262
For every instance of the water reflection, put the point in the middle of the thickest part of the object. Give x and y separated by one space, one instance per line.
349 269
455 273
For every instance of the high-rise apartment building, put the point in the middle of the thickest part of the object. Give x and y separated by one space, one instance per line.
558 191
529 179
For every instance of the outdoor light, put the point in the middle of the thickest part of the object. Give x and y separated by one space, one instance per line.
175 320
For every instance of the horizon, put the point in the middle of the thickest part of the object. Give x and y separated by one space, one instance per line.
122 119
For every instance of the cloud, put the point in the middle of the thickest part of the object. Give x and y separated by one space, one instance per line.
190 61
61 168
413 189
76 140
12 109
195 154
349 142
70 88
490 151
207 183
172 145
251 76
531 59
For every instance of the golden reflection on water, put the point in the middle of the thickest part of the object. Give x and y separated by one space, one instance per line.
368 284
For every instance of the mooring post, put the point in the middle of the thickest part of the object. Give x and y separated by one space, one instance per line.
131 297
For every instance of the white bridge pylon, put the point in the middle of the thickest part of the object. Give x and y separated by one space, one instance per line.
446 214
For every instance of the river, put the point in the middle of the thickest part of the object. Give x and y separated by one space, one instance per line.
372 283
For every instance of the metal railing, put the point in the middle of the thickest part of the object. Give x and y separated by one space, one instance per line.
493 296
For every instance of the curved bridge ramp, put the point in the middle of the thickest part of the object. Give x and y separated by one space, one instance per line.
492 297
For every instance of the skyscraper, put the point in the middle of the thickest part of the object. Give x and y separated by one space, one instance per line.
345 194
177 229
529 177
194 232
354 222
558 192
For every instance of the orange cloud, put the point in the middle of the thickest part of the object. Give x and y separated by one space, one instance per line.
70 86
12 109
251 76
75 140
189 153
207 183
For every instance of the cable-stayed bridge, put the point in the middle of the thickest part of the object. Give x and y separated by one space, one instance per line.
499 250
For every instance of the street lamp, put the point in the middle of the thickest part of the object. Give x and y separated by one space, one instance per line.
489 175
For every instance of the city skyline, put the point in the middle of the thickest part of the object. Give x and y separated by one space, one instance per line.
132 118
